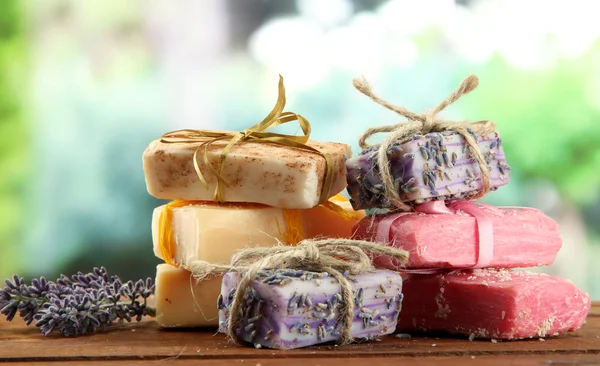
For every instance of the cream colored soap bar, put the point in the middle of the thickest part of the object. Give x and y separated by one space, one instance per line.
270 174
213 232
182 302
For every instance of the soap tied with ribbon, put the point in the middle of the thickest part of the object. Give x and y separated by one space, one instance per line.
255 165
464 235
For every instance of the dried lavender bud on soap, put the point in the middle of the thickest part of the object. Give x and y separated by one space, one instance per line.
288 309
434 166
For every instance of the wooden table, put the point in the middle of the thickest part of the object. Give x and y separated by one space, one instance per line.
143 343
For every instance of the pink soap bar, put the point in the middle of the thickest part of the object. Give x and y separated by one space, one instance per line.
522 237
492 304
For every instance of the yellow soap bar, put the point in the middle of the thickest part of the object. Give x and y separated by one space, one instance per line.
215 232
182 302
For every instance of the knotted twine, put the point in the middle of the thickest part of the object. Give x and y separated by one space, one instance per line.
254 134
423 124
334 256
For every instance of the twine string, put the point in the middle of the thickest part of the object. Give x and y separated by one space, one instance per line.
334 256
254 134
418 123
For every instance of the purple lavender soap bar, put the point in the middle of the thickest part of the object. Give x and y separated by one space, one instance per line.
434 166
287 309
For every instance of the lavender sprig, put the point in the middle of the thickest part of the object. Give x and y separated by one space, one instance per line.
76 305
24 299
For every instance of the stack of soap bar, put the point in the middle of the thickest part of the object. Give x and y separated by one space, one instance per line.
523 237
274 175
214 232
493 304
434 166
183 302
287 309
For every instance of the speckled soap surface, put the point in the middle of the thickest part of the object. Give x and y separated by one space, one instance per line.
270 174
432 166
292 309
492 304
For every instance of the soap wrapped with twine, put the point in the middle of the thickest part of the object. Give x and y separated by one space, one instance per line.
334 256
255 134
422 124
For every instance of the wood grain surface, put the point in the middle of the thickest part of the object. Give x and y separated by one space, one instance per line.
144 343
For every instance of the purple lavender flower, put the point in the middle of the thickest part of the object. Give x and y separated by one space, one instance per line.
79 313
8 306
77 305
18 297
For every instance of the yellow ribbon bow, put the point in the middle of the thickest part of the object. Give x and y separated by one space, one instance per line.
254 134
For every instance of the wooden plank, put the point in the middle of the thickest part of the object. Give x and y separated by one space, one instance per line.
145 341
523 360
531 360
595 310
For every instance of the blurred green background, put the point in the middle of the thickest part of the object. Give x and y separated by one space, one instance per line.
85 86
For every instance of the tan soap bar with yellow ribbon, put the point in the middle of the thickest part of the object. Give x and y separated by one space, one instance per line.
185 231
270 174
255 165
183 302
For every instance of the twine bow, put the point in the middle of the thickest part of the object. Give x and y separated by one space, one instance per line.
254 134
418 123
334 256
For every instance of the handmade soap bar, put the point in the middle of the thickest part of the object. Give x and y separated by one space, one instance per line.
214 232
493 304
522 237
270 174
290 308
434 166
182 302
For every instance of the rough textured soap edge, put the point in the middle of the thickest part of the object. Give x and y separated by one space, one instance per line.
509 292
